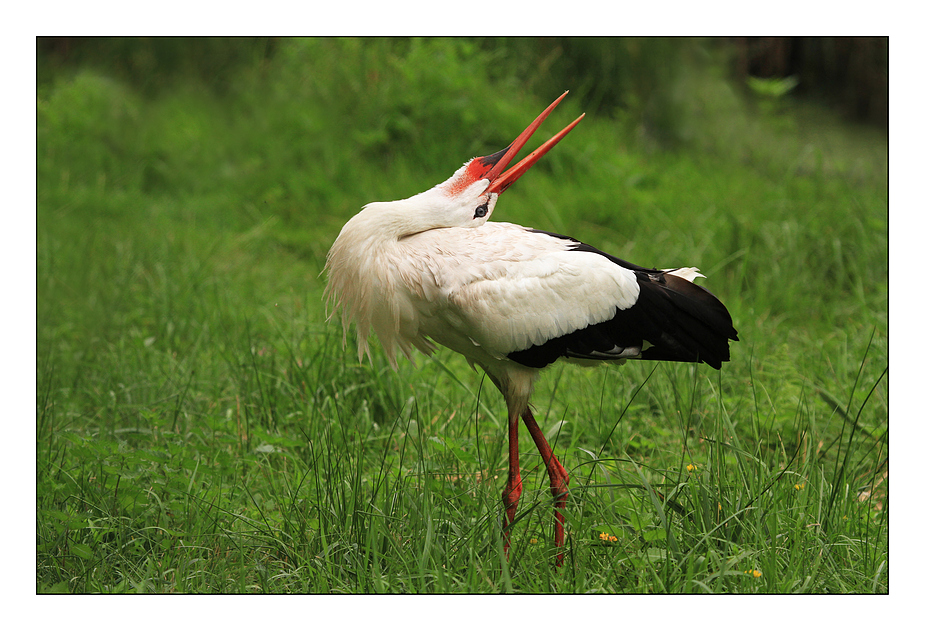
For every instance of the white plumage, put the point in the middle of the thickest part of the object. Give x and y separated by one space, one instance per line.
432 269
501 286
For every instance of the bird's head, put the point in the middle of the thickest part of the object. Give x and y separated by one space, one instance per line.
361 267
473 190
468 197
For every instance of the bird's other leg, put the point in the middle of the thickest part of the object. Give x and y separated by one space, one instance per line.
558 478
513 488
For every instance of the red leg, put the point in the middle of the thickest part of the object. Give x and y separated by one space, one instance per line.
558 478
513 488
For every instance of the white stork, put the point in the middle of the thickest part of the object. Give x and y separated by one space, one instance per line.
432 269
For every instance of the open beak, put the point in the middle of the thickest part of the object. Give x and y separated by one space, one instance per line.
501 180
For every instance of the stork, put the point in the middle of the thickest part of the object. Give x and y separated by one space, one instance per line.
432 269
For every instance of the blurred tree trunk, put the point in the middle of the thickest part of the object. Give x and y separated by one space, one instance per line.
851 73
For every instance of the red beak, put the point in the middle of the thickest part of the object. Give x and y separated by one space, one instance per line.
498 161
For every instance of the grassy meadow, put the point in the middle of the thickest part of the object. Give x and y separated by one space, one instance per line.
200 427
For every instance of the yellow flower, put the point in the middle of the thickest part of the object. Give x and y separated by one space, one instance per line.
603 536
754 573
691 468
799 487
534 540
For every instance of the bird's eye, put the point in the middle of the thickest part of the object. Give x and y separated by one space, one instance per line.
481 211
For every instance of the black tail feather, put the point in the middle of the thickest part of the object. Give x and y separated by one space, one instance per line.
682 321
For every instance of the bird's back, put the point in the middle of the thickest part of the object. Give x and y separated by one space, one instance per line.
532 297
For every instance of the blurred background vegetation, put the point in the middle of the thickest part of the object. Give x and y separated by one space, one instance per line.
606 74
317 113
395 93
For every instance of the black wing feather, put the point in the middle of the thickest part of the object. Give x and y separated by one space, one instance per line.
672 320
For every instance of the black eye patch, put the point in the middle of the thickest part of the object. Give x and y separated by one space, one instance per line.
481 211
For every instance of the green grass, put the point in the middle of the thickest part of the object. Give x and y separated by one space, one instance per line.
200 427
